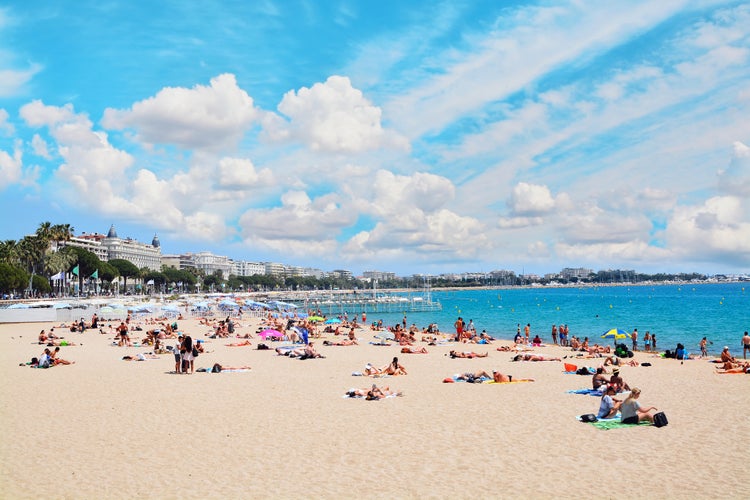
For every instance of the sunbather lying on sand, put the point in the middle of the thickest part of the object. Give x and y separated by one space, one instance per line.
501 377
371 370
414 350
533 357
239 344
373 393
467 354
140 357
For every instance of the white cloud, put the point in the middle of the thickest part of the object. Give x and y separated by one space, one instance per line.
519 222
591 224
332 117
10 168
240 173
13 81
717 230
5 126
299 225
531 199
735 179
204 117
39 146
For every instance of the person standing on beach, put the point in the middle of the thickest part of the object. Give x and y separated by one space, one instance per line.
647 341
634 336
554 334
653 342
459 325
745 345
527 331
704 351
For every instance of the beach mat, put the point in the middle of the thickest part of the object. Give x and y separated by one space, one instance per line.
590 392
613 423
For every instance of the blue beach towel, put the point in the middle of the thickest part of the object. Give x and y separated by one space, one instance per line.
590 392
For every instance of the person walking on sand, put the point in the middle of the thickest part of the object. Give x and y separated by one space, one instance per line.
745 345
634 336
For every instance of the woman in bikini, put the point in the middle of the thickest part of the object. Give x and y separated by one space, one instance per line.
394 368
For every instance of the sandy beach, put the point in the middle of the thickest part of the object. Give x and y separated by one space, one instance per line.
108 428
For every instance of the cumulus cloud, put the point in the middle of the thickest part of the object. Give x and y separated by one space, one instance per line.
204 117
735 179
592 225
332 117
5 126
87 153
719 229
10 168
519 222
606 253
39 146
240 173
392 193
301 225
415 233
531 199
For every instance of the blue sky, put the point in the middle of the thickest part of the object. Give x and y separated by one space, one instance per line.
413 137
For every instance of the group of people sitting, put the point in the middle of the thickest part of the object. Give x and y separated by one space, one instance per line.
48 359
631 412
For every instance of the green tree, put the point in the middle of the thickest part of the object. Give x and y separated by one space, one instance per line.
12 278
126 269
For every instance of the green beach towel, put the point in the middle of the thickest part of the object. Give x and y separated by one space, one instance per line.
606 425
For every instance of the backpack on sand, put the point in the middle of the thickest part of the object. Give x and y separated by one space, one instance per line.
660 419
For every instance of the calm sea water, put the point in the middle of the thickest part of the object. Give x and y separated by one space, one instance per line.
675 313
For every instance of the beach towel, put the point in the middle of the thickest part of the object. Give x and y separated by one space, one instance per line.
479 380
606 424
590 392
511 382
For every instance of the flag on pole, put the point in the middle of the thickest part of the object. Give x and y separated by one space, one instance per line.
75 271
95 275
150 282
58 276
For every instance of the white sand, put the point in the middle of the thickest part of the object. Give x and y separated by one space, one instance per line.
106 428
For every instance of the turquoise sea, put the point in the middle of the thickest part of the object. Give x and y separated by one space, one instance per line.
675 313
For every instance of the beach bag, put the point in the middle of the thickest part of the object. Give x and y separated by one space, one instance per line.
195 352
589 417
263 347
660 419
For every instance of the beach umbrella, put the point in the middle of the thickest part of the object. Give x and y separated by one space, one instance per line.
270 333
62 305
316 318
170 308
18 305
332 321
616 334
385 335
254 304
277 304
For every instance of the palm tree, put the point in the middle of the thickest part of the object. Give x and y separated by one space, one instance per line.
9 252
62 232
58 261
